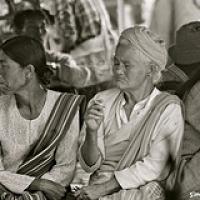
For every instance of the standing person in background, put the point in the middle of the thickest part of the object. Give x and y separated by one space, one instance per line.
88 35
169 15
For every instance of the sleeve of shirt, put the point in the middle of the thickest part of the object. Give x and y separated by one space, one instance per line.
16 183
88 19
166 141
68 72
63 171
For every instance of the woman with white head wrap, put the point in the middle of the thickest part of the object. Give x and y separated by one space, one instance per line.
148 43
133 129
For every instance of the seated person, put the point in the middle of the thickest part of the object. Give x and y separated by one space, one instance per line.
39 128
186 70
133 132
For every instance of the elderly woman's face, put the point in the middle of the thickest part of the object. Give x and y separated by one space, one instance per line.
129 70
12 76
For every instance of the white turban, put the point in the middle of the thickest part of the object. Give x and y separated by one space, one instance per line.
148 43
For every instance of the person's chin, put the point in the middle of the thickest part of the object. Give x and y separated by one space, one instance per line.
120 85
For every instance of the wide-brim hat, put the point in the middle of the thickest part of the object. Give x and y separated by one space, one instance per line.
186 50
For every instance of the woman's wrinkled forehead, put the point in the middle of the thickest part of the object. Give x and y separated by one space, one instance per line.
123 46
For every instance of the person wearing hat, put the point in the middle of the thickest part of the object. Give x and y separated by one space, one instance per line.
133 129
185 74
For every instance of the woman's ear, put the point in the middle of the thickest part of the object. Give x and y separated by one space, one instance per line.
153 67
29 72
155 72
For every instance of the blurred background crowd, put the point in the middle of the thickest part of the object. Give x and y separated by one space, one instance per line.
162 16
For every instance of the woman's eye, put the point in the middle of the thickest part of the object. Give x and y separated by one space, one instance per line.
3 65
57 40
116 64
127 65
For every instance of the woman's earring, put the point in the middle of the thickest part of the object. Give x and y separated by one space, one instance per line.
28 75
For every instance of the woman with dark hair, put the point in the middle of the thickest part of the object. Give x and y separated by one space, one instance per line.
39 128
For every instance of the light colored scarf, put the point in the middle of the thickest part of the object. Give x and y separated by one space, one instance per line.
148 43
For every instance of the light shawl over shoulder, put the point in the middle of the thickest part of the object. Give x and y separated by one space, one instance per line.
161 141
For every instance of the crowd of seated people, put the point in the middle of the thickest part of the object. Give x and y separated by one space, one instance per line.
138 139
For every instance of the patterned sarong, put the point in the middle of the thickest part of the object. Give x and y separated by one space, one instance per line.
41 157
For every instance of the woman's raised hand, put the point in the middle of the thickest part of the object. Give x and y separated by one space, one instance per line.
94 115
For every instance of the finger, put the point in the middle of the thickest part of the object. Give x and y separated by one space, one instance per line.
95 107
76 193
98 104
98 101
94 117
95 112
77 188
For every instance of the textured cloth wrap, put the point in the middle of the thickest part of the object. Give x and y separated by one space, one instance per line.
148 43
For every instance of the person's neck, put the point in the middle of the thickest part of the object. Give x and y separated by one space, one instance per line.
31 99
135 96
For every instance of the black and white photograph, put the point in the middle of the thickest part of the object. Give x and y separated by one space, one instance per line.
99 99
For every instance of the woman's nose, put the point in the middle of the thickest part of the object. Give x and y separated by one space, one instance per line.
119 69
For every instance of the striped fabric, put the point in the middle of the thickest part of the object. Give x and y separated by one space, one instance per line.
6 195
41 157
142 136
